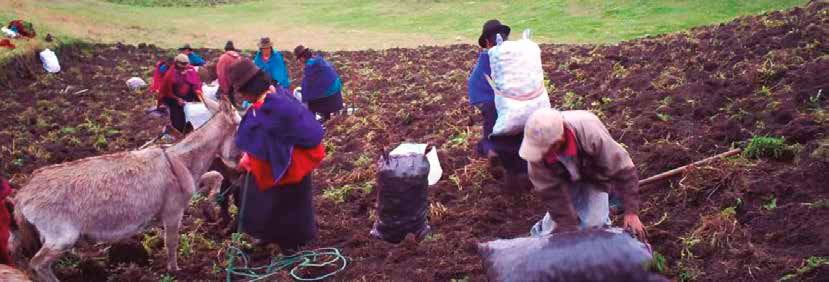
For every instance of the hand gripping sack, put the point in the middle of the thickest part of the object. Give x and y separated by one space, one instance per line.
518 82
402 198
606 254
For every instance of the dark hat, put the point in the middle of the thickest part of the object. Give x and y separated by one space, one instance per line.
185 47
301 51
265 42
241 72
229 46
490 27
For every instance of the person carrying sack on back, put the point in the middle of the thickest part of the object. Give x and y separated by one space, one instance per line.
501 150
321 86
180 85
282 144
272 63
573 164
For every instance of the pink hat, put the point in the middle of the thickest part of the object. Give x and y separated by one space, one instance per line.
544 128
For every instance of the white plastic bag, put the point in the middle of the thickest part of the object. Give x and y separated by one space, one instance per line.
9 32
196 113
435 170
50 61
136 83
209 91
518 81
298 93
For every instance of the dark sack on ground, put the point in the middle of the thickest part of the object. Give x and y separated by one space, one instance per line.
402 198
591 255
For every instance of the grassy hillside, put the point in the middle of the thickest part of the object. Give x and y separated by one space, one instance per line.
361 24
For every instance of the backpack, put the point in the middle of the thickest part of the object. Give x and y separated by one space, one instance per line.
518 82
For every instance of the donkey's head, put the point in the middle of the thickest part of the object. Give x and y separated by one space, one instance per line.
225 111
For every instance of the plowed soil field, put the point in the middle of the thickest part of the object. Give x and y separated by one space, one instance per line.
670 100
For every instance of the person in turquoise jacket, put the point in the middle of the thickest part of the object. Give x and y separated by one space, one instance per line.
272 63
195 59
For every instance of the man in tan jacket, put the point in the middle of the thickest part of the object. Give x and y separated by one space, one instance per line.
573 163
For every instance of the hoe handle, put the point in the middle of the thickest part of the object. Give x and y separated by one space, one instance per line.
681 169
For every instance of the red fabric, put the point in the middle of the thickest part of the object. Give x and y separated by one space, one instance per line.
21 29
7 43
155 85
303 161
569 149
178 84
225 60
5 221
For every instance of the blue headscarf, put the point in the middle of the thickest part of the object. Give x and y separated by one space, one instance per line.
195 59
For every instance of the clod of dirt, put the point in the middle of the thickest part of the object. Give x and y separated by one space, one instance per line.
128 253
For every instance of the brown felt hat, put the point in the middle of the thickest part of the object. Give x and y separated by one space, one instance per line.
241 72
185 47
265 42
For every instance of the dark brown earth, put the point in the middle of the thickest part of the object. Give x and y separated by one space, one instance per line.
669 99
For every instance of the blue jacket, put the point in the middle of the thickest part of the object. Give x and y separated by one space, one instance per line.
270 132
195 59
320 79
478 89
275 67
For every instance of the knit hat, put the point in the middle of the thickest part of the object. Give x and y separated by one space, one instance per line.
544 128
265 42
241 72
181 58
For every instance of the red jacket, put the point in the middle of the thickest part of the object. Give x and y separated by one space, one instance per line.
5 221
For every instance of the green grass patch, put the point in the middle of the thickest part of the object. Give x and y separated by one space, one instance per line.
381 24
174 3
761 147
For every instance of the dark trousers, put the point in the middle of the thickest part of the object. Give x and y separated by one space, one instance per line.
505 147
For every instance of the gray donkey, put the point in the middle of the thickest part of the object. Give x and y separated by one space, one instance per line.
112 197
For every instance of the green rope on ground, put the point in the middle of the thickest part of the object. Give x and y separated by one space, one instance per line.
319 258
299 261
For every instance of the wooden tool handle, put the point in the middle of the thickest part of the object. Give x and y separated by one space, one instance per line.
679 170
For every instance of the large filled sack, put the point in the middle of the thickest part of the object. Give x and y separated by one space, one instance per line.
402 197
196 113
50 61
518 82
608 254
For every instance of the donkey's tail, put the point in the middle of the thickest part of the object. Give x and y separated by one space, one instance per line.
26 239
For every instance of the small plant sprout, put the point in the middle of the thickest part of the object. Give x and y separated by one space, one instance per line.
767 147
771 204
808 264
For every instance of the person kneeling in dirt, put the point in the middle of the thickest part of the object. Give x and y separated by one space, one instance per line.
195 59
573 164
179 86
282 144
501 150
321 86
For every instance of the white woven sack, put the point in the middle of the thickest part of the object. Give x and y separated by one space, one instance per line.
136 83
516 67
196 113
210 91
50 61
518 82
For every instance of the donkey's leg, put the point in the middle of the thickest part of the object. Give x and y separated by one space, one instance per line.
172 223
53 248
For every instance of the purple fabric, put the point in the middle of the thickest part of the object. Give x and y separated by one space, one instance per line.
478 89
319 75
270 132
